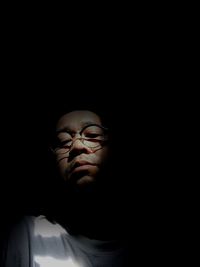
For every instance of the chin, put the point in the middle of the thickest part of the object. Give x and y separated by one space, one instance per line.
81 179
85 180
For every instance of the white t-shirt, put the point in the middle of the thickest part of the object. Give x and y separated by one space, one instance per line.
37 242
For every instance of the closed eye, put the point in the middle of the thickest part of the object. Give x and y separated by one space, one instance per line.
93 135
66 143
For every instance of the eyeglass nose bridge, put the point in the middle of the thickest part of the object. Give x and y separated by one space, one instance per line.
81 139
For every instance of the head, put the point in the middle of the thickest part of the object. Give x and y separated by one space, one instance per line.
81 148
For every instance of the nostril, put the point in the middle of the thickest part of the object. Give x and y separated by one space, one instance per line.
77 150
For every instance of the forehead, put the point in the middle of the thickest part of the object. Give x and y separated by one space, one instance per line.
75 120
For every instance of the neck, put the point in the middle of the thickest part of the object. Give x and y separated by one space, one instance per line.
96 216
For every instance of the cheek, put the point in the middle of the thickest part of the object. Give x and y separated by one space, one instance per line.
63 166
102 155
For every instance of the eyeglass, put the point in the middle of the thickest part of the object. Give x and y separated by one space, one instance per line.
93 136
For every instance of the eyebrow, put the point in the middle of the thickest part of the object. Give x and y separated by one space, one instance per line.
90 123
83 125
63 130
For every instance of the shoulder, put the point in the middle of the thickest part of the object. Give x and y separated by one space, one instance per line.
43 227
29 226
37 226
16 246
27 236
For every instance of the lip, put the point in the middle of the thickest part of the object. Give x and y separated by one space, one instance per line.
80 166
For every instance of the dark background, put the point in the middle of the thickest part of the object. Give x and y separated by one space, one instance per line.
136 75
145 125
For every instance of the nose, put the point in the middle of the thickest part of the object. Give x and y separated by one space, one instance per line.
78 148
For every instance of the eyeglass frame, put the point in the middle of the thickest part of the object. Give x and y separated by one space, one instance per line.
82 139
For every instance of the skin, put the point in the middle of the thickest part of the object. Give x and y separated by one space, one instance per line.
83 165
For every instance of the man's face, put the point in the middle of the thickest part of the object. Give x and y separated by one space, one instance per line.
83 149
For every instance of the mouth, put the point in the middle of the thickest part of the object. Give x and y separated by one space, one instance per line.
81 166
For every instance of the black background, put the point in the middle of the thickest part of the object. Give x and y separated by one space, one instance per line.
131 74
146 124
